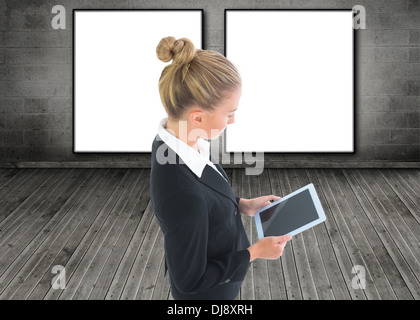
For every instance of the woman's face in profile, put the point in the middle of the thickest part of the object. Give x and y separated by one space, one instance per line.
217 120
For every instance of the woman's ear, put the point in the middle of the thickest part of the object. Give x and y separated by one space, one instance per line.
196 117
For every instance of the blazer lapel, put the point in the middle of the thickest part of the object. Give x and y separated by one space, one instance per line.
218 166
216 182
209 176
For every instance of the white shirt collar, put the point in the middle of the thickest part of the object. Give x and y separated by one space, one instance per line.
195 160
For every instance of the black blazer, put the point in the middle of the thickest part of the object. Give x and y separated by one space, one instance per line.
205 241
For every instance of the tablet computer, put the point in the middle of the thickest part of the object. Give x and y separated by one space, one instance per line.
291 214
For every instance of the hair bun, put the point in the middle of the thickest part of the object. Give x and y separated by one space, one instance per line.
181 51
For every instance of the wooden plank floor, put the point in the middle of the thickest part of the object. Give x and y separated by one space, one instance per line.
98 224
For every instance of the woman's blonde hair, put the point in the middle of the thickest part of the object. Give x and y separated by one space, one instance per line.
195 76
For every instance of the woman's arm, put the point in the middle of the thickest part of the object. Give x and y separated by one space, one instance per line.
185 219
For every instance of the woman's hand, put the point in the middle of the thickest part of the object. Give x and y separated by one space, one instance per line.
268 248
250 206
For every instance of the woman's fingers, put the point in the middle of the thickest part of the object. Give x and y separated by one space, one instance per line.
283 239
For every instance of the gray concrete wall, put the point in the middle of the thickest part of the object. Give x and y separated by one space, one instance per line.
36 78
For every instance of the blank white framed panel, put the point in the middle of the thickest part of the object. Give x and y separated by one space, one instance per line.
297 69
116 102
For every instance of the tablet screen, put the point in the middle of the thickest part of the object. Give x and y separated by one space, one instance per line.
289 215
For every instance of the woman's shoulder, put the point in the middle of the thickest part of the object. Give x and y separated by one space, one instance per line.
177 195
168 173
173 178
